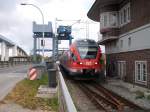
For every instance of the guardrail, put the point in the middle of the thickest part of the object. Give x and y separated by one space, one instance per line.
65 101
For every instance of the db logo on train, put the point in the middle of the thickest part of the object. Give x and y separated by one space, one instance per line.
32 74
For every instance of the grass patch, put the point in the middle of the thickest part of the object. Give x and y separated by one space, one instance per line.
148 97
25 91
139 94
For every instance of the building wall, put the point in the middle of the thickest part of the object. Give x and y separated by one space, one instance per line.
14 50
139 39
3 47
0 48
129 58
110 17
138 50
139 15
133 43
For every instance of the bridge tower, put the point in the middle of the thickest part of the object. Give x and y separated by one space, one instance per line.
63 33
38 29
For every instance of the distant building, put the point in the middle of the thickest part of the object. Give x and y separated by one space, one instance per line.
9 49
125 29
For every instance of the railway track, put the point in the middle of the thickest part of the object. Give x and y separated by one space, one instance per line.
106 100
117 97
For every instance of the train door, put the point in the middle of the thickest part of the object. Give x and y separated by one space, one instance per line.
122 69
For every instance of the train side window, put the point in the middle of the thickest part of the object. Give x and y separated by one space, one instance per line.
69 53
73 57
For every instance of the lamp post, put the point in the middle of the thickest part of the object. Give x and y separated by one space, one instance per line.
43 26
56 24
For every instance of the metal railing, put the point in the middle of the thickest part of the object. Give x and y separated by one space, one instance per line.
4 64
65 101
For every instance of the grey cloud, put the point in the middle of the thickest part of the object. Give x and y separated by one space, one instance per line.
14 27
43 1
9 20
7 5
21 34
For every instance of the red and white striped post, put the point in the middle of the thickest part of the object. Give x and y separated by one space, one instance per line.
32 74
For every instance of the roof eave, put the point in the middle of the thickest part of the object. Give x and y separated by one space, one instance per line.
104 41
93 13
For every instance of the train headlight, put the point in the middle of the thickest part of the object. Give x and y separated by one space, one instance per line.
81 63
96 63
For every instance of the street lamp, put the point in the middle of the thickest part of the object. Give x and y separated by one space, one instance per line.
77 21
42 23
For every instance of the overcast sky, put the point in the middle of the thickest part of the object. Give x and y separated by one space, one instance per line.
16 20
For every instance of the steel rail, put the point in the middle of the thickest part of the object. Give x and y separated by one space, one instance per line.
122 101
99 97
114 101
119 104
93 98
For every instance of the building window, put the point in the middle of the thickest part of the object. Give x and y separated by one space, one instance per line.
122 69
121 17
124 15
116 18
113 18
128 13
105 20
121 43
109 19
141 72
129 41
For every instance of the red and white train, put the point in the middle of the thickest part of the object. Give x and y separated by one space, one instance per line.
82 60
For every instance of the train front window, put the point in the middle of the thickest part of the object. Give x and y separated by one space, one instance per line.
87 52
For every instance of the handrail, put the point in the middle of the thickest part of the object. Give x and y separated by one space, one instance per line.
66 95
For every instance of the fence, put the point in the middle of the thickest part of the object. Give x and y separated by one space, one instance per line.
4 64
16 60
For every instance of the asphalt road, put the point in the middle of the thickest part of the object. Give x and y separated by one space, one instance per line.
10 76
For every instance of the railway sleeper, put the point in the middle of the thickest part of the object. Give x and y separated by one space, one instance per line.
105 101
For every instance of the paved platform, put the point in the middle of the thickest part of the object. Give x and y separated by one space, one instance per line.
9 77
128 91
46 92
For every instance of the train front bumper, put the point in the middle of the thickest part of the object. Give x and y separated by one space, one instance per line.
74 71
